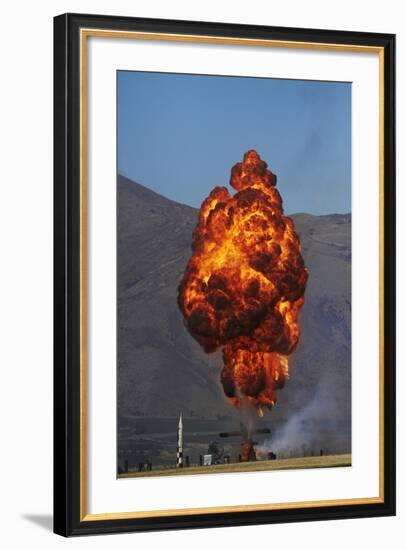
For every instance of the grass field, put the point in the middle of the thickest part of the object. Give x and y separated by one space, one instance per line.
329 461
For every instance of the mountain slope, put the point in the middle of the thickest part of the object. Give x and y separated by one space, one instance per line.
162 369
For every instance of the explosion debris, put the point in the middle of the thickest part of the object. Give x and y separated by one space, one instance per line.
243 286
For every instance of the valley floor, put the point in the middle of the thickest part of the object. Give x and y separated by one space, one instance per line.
306 462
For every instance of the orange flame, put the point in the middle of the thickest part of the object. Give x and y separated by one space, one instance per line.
243 286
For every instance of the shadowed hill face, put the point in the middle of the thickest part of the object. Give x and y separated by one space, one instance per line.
147 222
158 359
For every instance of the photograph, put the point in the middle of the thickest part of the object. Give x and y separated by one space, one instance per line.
233 303
200 305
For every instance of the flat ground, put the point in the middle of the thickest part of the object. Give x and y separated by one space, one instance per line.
329 461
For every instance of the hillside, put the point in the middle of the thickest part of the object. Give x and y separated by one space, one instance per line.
162 369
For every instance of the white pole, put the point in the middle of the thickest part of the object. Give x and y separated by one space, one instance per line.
179 453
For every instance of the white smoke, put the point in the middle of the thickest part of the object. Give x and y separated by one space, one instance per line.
292 438
313 430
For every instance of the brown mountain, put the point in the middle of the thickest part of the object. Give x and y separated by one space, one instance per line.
162 369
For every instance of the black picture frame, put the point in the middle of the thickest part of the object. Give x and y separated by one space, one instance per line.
68 519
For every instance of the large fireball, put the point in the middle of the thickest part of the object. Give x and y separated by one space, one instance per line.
243 286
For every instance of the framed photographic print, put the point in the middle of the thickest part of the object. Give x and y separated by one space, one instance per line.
224 274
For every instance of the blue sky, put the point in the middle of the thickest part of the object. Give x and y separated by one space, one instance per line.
181 134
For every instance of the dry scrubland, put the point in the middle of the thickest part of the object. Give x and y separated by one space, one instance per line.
330 461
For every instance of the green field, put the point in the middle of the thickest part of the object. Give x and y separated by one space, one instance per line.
329 461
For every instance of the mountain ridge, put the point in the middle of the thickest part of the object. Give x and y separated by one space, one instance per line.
139 187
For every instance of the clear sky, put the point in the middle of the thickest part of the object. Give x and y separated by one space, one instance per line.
181 134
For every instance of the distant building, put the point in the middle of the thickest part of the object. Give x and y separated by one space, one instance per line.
207 460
